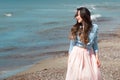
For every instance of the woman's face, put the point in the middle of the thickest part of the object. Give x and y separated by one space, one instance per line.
78 17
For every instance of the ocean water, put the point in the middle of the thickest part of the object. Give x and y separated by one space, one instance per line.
32 27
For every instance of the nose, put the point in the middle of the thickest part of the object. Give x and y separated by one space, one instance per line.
76 17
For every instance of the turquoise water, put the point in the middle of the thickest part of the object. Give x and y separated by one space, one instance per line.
32 27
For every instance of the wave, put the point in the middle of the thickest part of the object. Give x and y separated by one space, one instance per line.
95 16
100 18
50 23
8 73
8 14
8 49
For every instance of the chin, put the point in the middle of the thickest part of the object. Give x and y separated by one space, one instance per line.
79 21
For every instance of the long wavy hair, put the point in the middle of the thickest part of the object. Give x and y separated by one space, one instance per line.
78 29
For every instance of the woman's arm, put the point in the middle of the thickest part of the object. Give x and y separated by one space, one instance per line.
72 43
95 45
94 38
95 48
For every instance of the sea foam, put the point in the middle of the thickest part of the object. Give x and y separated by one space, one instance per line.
95 16
8 14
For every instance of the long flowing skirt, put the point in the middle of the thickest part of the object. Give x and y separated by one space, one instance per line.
82 65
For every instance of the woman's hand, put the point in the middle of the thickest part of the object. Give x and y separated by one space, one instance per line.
98 61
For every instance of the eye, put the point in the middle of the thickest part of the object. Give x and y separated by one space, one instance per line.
76 15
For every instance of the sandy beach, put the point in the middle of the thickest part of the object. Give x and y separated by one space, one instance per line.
55 68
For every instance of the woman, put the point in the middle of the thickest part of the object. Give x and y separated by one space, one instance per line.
83 61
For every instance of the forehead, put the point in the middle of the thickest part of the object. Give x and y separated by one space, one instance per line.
78 12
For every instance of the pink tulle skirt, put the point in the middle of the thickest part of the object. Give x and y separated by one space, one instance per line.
82 65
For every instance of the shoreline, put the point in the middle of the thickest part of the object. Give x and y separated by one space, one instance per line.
43 57
43 67
55 68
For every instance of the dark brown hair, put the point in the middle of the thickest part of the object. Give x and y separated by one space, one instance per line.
77 29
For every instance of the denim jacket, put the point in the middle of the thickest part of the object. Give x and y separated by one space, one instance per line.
93 35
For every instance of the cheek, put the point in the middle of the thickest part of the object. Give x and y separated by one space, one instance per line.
79 19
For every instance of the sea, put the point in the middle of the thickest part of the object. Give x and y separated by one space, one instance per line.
31 28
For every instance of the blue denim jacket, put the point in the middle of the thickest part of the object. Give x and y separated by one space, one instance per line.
92 40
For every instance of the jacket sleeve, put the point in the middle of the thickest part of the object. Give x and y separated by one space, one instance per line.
95 44
72 44
95 41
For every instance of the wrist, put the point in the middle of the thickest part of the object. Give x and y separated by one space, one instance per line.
97 56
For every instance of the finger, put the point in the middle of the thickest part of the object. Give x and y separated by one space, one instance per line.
98 63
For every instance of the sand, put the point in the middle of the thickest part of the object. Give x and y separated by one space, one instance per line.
55 68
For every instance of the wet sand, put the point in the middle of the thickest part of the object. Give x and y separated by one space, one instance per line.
55 68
